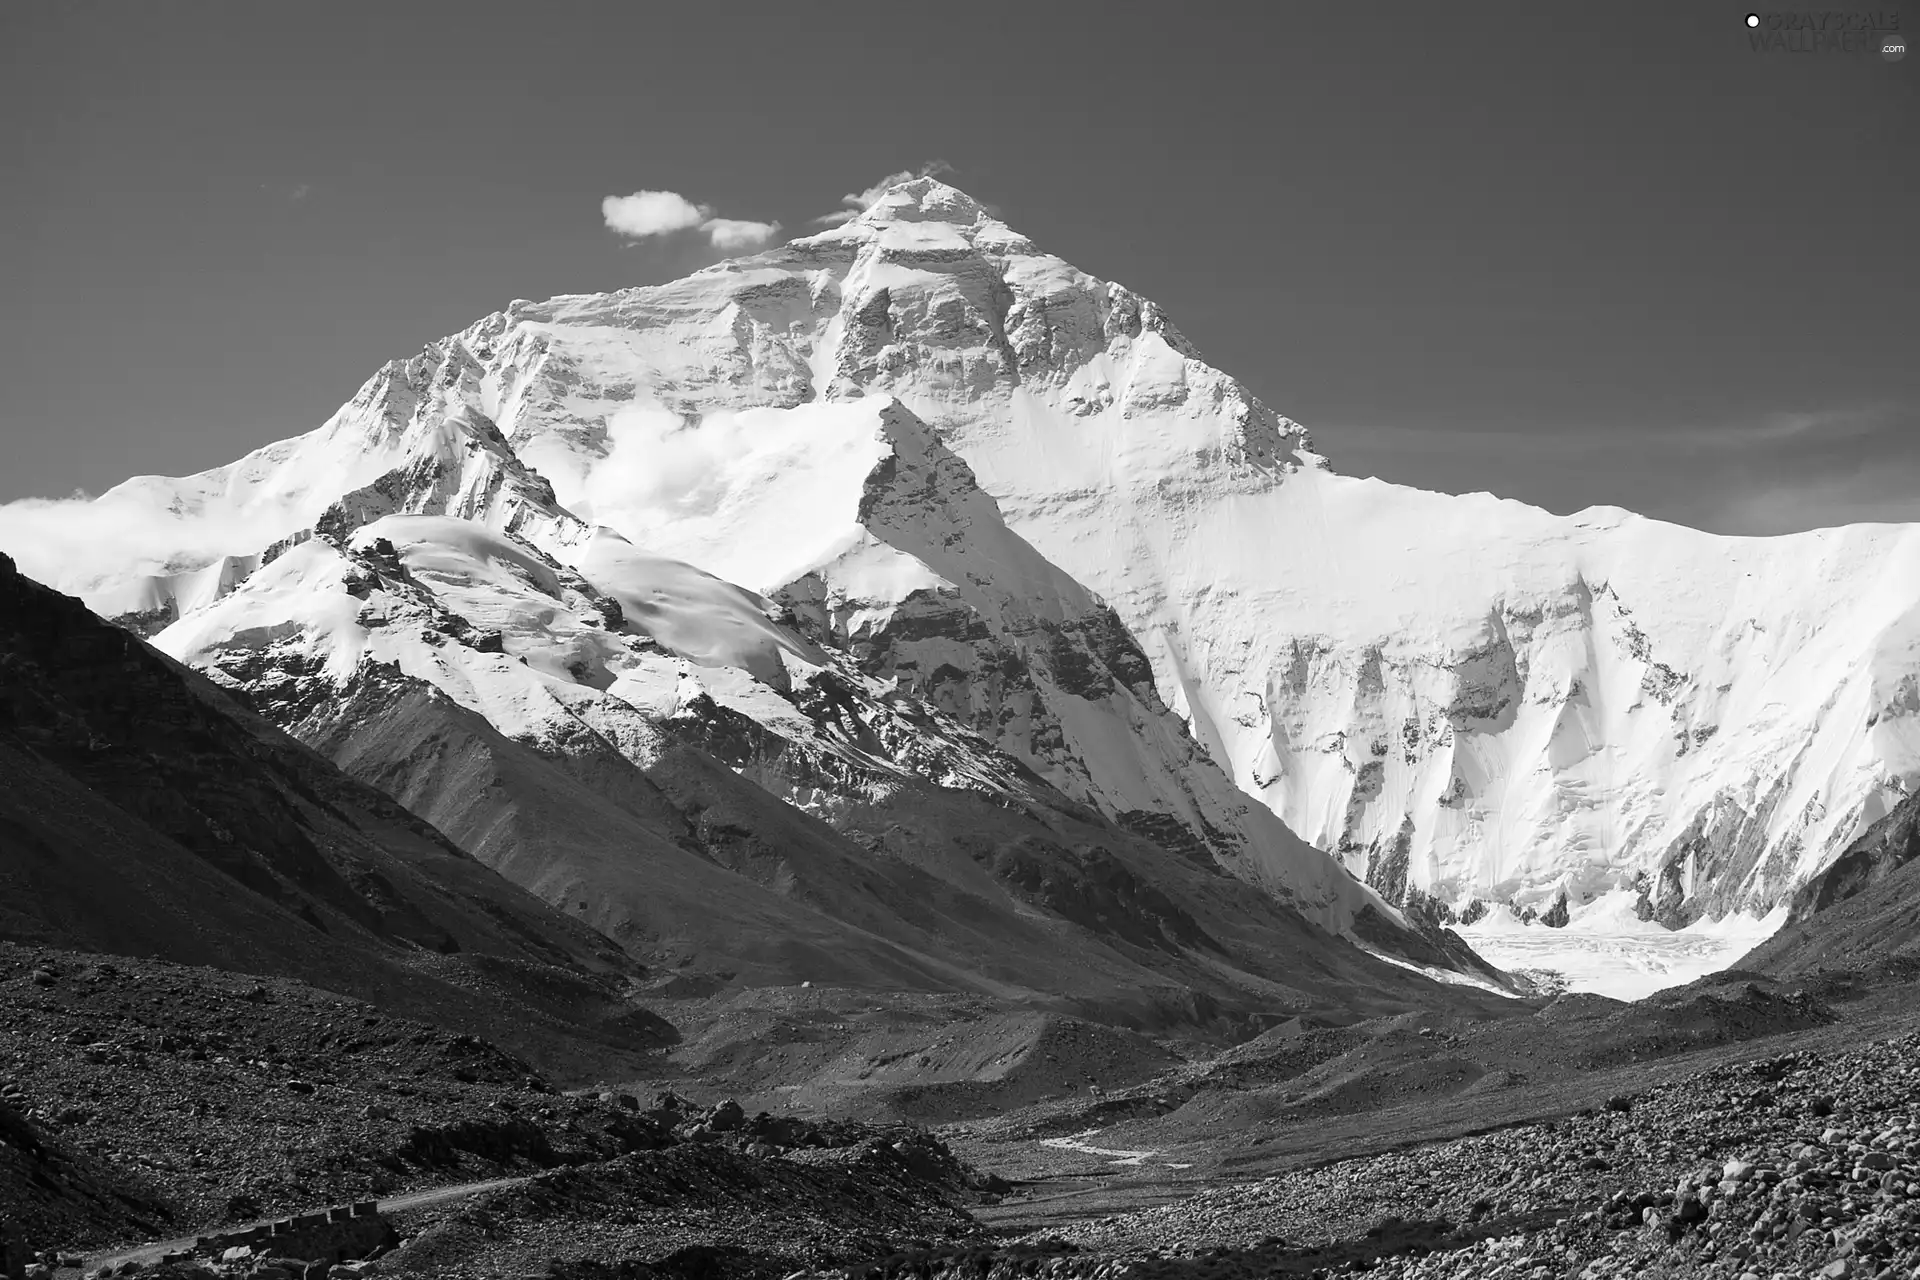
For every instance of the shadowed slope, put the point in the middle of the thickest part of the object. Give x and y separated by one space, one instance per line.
143 812
1862 913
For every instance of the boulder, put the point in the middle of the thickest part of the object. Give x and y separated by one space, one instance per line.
726 1117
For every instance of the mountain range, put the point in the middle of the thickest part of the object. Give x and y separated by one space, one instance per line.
904 606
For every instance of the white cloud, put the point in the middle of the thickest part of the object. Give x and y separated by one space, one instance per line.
72 544
858 202
732 234
659 213
659 462
652 213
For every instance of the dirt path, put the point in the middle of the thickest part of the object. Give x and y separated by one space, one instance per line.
152 1251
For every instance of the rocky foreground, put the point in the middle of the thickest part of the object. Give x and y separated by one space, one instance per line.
144 1101
1801 1164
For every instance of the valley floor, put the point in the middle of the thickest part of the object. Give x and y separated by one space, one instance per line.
1735 1126
1791 1154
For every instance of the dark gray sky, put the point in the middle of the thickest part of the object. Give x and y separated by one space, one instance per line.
1569 253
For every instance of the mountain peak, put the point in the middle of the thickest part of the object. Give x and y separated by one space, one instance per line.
921 215
924 200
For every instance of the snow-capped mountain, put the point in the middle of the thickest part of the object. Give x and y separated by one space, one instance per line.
974 497
942 646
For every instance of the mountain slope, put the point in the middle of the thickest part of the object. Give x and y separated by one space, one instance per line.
1862 913
816 824
746 784
807 491
1462 695
142 812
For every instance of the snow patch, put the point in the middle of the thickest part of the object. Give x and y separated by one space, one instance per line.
1079 1143
1628 963
693 613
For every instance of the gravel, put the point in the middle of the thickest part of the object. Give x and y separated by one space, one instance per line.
1799 1165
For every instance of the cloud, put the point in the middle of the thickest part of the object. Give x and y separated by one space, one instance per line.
659 213
1888 491
1781 430
652 213
732 234
858 202
292 193
1765 472
660 465
1822 424
73 544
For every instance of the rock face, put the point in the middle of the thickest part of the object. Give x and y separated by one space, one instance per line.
1862 914
1014 494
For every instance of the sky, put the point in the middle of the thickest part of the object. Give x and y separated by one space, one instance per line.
1571 254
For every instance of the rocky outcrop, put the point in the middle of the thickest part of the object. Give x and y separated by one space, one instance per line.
1860 919
329 1235
1882 850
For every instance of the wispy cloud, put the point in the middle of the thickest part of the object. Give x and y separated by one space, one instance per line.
1832 425
858 202
1777 472
1868 495
645 214
1828 426
291 192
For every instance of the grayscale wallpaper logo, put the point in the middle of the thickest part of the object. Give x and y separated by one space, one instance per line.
1828 31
